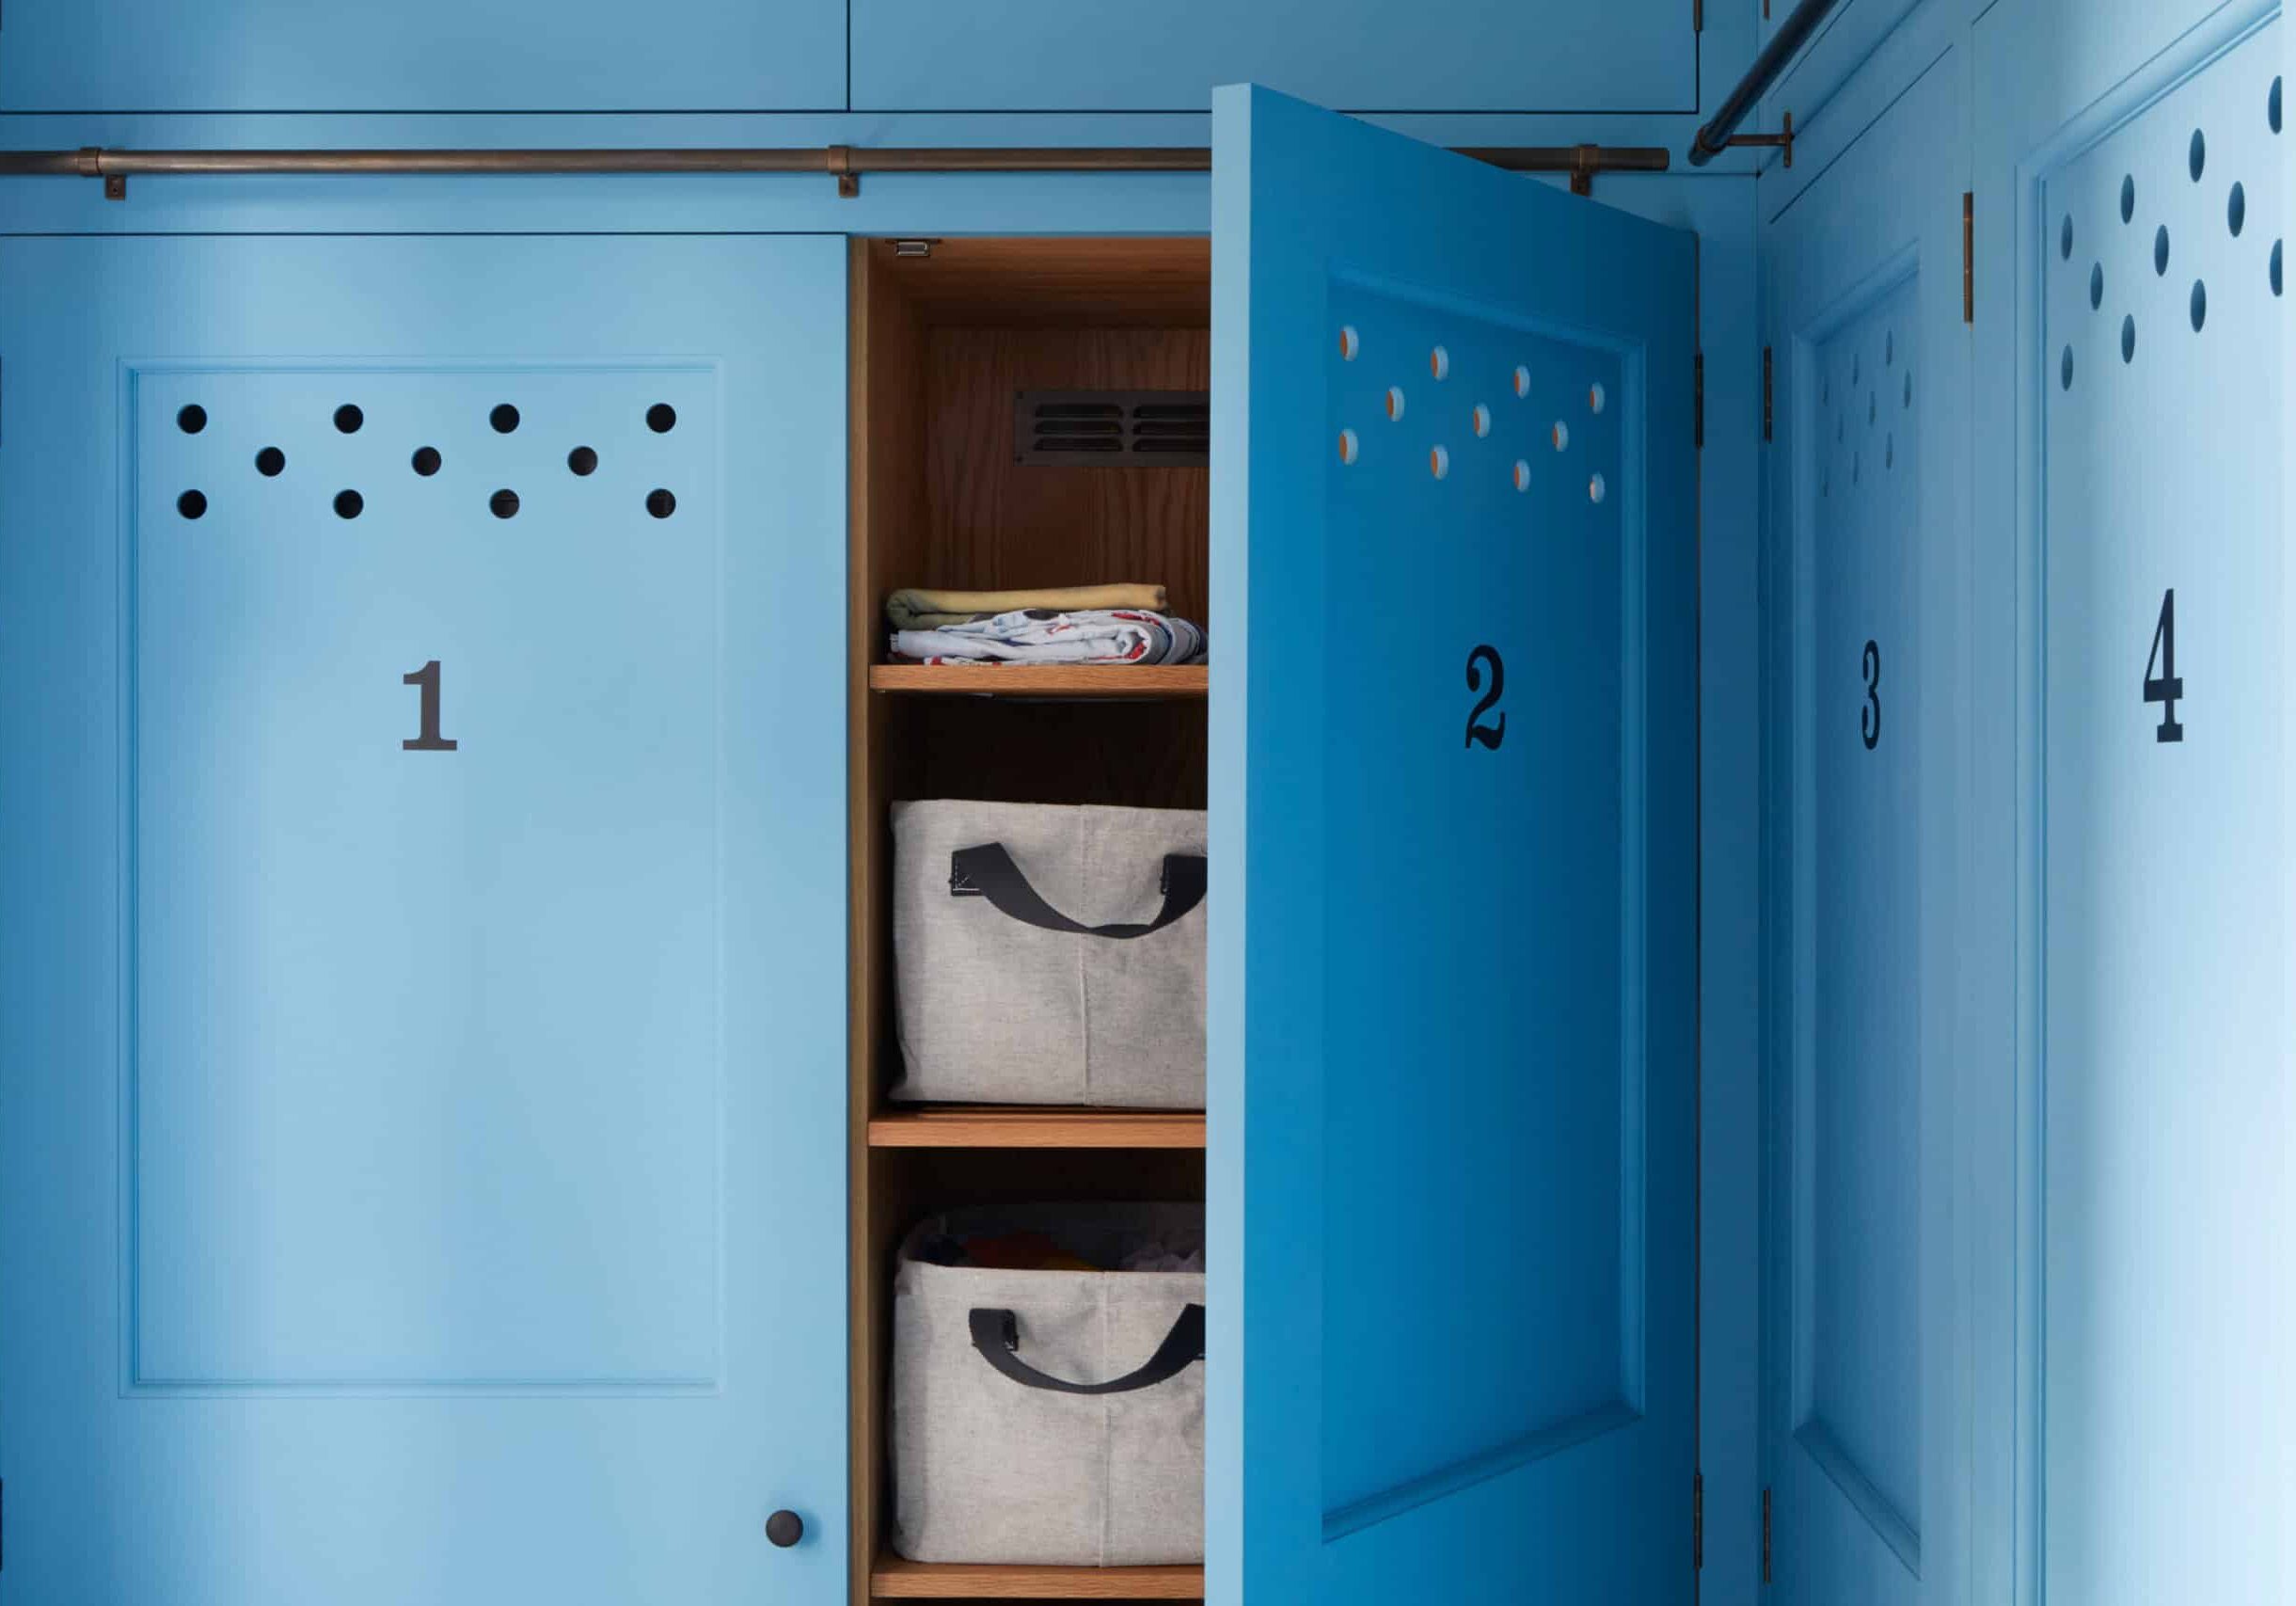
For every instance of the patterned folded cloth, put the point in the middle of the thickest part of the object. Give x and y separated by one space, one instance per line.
1036 635
916 608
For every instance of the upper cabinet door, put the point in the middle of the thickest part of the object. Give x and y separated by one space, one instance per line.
1357 55
423 56
1454 814
421 1006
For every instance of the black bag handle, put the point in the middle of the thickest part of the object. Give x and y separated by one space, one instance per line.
997 1335
988 871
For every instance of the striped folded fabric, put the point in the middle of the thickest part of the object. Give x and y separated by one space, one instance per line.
1036 635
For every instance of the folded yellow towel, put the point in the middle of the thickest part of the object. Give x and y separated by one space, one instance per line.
916 608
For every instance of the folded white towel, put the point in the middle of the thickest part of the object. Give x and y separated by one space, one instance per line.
1098 635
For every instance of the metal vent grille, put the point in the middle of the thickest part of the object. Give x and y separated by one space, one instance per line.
1113 429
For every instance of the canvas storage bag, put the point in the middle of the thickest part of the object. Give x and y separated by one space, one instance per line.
1050 955
1051 1418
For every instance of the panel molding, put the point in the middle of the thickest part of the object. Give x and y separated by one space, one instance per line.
135 1378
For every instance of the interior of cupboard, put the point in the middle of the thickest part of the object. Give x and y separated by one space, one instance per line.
946 337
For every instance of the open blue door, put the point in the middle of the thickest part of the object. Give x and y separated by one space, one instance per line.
421 1122
1455 1088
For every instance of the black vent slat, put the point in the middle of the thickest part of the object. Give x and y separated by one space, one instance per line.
1167 429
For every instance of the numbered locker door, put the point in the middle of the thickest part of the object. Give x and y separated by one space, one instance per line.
1453 1082
1860 1309
422 1137
2138 283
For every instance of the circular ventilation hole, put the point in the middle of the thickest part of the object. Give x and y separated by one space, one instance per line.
2097 285
1857 467
2064 238
504 417
1562 435
1395 401
1889 451
1908 401
661 504
1889 348
271 461
347 418
2235 208
191 420
349 504
1837 429
1439 363
2065 368
2275 269
2160 249
2127 196
1348 446
1481 415
661 418
2271 104
1350 342
191 504
1597 398
1438 462
2200 305
2196 158
1873 409
427 461
1853 369
1596 490
582 460
1522 475
503 503
1522 381
1825 391
2128 338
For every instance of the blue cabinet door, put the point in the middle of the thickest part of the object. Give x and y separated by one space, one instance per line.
422 1124
1630 56
2132 449
1864 1317
423 56
1455 805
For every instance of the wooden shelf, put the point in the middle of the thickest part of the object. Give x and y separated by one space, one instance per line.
994 1126
894 1579
1084 680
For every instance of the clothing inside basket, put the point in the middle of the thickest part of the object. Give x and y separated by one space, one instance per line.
1071 1239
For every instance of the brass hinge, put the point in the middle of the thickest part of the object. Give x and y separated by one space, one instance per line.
1698 1519
1765 1535
1698 16
1969 266
1698 399
1768 393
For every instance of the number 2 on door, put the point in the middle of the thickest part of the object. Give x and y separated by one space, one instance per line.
1490 735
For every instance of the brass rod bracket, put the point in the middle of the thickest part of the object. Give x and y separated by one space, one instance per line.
91 166
1782 141
1586 161
840 162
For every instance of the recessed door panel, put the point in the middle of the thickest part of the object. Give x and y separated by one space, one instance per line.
1860 1309
424 1138
384 993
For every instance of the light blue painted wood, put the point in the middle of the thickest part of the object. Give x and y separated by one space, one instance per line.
2143 1179
422 1170
1639 55
1453 1123
1865 1409
428 56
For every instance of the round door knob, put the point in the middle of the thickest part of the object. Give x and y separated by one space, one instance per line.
785 1527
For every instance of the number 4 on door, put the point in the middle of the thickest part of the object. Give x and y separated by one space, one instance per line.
2166 687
